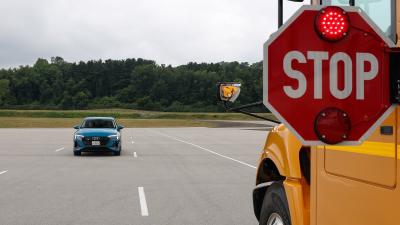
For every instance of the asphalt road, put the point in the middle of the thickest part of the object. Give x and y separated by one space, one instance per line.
177 176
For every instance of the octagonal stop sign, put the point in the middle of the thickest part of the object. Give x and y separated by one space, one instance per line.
326 75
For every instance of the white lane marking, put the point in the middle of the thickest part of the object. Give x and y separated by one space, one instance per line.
60 149
3 172
133 142
208 150
134 154
143 203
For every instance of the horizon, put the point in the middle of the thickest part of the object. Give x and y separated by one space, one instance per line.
123 59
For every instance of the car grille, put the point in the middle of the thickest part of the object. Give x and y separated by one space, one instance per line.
88 140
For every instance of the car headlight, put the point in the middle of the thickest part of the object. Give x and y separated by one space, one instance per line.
114 136
78 136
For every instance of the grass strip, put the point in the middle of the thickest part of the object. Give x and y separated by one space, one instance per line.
127 114
29 122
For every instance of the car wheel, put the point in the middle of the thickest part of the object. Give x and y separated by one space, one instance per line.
77 153
117 153
275 209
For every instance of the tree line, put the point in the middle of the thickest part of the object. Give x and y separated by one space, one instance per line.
129 83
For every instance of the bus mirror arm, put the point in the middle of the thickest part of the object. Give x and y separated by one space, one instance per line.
239 109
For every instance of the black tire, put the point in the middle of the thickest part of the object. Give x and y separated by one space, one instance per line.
275 204
77 153
117 153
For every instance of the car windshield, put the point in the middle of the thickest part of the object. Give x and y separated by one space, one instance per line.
98 123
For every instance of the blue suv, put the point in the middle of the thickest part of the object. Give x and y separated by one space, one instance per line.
97 134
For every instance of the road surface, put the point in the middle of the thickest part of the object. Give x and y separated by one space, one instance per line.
177 176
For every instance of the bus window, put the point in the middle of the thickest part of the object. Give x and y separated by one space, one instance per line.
335 2
382 12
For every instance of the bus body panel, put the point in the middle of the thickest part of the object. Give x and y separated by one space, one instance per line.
353 185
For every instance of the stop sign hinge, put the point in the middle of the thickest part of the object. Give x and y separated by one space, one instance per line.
394 68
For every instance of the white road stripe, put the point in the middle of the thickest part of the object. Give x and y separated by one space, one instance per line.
60 149
135 155
133 142
3 172
208 150
143 203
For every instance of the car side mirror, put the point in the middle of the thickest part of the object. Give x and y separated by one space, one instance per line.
228 91
76 127
120 127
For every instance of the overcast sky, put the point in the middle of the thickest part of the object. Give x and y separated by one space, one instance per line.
168 31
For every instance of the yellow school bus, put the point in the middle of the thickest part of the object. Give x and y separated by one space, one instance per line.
333 185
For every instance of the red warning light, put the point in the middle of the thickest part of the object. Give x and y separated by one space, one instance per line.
332 126
332 23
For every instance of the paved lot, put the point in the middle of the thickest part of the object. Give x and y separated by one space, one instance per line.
177 176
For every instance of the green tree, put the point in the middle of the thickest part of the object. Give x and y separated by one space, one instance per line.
4 90
130 83
80 100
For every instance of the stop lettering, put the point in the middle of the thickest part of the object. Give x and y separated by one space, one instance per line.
317 57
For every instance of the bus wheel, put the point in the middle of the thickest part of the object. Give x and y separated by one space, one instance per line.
275 209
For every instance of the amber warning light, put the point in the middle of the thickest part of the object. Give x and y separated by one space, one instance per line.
332 23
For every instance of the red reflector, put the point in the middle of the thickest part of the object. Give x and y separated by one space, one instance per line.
332 126
332 23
